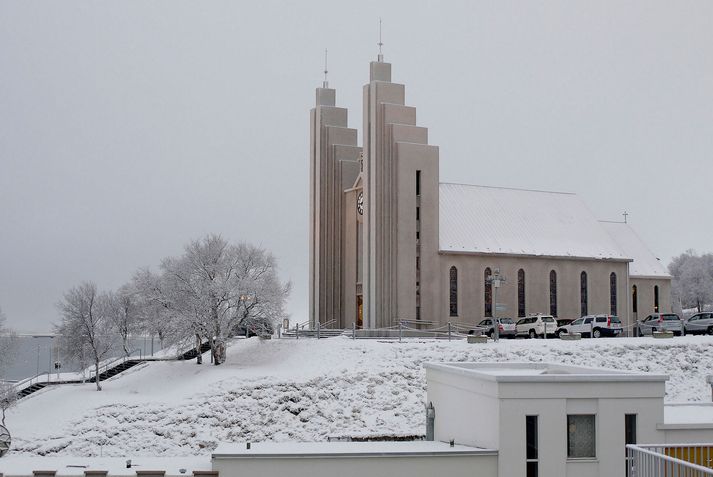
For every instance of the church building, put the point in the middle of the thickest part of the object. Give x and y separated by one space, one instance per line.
389 242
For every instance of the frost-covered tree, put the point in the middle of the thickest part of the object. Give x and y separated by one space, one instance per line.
86 326
213 289
693 279
8 398
7 343
124 314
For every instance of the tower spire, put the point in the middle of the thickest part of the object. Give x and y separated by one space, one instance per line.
325 83
381 43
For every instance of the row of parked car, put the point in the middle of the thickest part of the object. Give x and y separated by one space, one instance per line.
537 326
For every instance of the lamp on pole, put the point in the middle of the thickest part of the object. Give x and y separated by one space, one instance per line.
495 280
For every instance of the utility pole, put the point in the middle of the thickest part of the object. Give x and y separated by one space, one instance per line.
495 280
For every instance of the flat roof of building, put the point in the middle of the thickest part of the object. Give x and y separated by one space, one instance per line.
690 415
12 464
344 449
542 372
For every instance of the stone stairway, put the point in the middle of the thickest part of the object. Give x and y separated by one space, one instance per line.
107 373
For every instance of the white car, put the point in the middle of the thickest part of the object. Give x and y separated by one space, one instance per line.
534 326
594 326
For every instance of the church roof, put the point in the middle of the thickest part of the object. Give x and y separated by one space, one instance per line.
645 263
480 219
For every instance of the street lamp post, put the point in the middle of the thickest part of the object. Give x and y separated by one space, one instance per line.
496 280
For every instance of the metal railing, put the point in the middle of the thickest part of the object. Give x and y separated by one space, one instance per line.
669 460
110 363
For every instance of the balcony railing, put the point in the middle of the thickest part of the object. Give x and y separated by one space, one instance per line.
669 460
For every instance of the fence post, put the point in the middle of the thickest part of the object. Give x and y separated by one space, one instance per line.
545 323
297 331
591 329
318 329
353 330
449 331
401 323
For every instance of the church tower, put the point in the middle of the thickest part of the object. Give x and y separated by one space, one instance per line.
333 168
400 186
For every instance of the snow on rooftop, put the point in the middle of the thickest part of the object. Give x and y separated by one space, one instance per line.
75 466
543 371
686 414
645 263
264 449
480 219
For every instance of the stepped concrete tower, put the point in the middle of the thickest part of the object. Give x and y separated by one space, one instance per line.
400 189
390 244
374 220
333 167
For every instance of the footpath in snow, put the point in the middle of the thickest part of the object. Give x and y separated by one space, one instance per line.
303 390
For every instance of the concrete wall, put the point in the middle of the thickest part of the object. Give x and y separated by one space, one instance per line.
486 413
645 295
471 286
372 466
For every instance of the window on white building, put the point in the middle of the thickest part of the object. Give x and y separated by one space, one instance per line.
531 457
581 436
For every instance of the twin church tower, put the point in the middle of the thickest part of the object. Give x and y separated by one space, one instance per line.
389 243
373 211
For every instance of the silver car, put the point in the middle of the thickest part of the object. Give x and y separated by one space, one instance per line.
661 322
506 328
700 323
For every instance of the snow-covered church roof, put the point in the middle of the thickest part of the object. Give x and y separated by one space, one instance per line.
645 263
480 219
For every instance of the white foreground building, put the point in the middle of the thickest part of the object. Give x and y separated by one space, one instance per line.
491 420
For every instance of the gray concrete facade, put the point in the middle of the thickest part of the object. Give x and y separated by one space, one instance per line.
375 257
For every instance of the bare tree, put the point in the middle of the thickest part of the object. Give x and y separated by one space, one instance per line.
124 314
213 289
8 398
693 279
85 328
7 343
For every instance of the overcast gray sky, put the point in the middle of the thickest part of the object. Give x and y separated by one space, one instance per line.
129 128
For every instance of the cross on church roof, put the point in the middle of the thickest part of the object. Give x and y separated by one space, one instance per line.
325 83
381 43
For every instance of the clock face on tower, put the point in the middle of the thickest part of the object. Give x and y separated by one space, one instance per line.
360 203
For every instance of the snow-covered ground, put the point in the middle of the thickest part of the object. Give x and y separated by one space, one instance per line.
303 390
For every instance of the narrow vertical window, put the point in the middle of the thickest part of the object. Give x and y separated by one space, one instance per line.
629 436
531 456
583 299
634 299
656 299
488 298
521 293
612 293
454 291
418 182
553 293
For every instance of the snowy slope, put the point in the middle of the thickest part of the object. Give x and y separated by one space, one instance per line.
303 390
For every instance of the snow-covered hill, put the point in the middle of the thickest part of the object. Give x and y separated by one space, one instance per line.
303 390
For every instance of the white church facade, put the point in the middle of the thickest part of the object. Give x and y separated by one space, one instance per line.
389 242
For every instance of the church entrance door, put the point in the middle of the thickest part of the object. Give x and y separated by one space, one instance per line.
360 312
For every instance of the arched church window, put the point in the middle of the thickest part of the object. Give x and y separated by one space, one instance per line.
612 292
488 293
583 292
553 293
454 291
634 299
656 299
521 293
